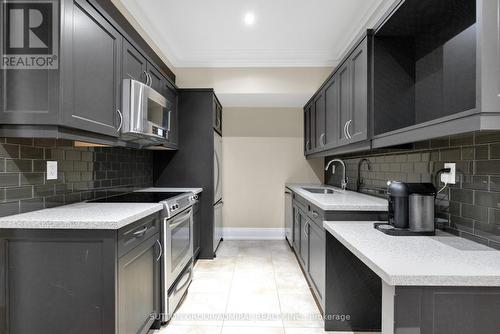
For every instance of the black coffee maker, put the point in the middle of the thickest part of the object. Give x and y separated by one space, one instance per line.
411 209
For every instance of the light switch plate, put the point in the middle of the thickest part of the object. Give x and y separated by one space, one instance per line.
451 176
51 170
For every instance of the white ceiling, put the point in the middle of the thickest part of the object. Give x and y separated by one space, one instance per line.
211 33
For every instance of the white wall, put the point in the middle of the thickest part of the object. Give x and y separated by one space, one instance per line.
262 150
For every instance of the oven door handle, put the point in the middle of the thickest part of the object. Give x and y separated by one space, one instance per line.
188 279
181 218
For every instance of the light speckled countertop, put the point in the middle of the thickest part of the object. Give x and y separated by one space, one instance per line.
340 200
441 260
166 189
105 216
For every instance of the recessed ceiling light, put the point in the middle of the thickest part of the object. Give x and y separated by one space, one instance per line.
249 18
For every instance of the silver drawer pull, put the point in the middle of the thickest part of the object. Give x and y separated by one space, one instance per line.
315 214
140 233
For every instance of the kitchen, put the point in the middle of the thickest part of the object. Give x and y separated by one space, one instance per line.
231 167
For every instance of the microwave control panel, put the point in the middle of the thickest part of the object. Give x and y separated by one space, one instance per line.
159 132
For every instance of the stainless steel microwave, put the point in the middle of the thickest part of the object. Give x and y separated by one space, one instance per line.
146 114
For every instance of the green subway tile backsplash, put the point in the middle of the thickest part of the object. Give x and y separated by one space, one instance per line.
470 208
83 173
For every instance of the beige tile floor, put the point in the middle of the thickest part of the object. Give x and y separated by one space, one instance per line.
251 287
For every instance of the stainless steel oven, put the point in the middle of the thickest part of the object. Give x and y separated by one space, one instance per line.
178 243
146 114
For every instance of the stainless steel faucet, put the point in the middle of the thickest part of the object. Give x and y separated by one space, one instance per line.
343 182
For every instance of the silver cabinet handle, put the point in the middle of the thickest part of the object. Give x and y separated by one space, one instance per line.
345 132
315 214
168 117
305 228
150 80
161 250
308 144
140 233
121 120
322 139
147 77
347 129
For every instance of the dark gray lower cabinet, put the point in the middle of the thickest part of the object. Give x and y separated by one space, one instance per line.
446 310
139 283
317 252
304 241
310 246
77 281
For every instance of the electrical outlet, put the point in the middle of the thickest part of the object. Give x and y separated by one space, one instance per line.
451 176
51 170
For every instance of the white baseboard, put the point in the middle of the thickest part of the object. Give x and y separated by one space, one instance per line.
244 233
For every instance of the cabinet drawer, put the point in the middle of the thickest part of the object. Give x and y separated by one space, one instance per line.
300 203
132 235
316 215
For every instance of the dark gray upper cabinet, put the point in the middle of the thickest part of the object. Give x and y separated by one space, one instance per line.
80 99
134 63
309 128
345 85
357 128
437 70
332 122
91 71
338 114
319 120
156 79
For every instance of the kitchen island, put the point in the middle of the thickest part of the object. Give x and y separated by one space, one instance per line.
83 268
419 284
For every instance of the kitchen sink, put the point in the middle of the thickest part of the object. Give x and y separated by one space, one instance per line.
319 190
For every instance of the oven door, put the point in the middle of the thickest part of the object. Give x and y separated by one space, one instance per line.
178 244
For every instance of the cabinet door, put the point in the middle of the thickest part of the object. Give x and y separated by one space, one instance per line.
332 109
304 241
317 252
55 280
134 63
91 62
157 81
344 78
308 145
319 121
296 229
358 63
139 289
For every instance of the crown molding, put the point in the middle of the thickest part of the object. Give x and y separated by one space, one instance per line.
253 58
